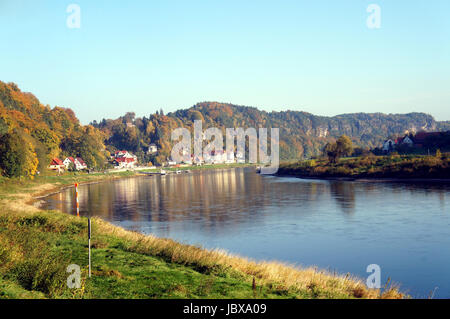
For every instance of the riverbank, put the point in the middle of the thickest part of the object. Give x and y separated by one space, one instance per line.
374 168
36 247
201 167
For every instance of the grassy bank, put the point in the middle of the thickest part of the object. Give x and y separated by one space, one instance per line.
392 166
37 246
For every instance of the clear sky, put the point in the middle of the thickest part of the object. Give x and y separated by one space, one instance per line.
315 56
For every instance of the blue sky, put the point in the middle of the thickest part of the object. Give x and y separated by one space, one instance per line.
314 56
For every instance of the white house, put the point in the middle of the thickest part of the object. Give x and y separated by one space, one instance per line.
124 159
406 140
56 164
124 154
80 164
152 149
77 162
388 145
124 162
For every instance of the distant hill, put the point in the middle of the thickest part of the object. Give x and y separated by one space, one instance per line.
301 134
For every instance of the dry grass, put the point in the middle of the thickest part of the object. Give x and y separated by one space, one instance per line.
24 201
269 273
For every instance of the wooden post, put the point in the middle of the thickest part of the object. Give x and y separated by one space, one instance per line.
76 198
89 244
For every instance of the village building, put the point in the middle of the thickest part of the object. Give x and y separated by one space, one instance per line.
406 140
419 140
388 145
78 163
124 159
152 149
57 164
125 154
124 162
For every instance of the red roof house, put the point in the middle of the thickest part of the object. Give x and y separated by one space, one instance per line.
56 163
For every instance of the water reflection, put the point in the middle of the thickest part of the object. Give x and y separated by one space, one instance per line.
344 194
403 227
221 197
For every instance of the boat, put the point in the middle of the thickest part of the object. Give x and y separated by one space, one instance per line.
162 172
178 171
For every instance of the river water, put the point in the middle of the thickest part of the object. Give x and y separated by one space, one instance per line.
341 226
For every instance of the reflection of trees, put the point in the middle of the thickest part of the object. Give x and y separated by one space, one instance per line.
213 200
344 194
224 200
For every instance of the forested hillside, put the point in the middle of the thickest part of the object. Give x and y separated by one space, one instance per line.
301 134
32 133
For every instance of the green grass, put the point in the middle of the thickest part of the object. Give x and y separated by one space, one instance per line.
44 244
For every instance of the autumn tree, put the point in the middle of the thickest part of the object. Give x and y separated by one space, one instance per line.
88 145
17 155
342 147
330 151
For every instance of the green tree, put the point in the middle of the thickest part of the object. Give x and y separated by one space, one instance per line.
330 151
342 147
17 156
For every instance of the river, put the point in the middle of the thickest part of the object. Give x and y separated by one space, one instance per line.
340 226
